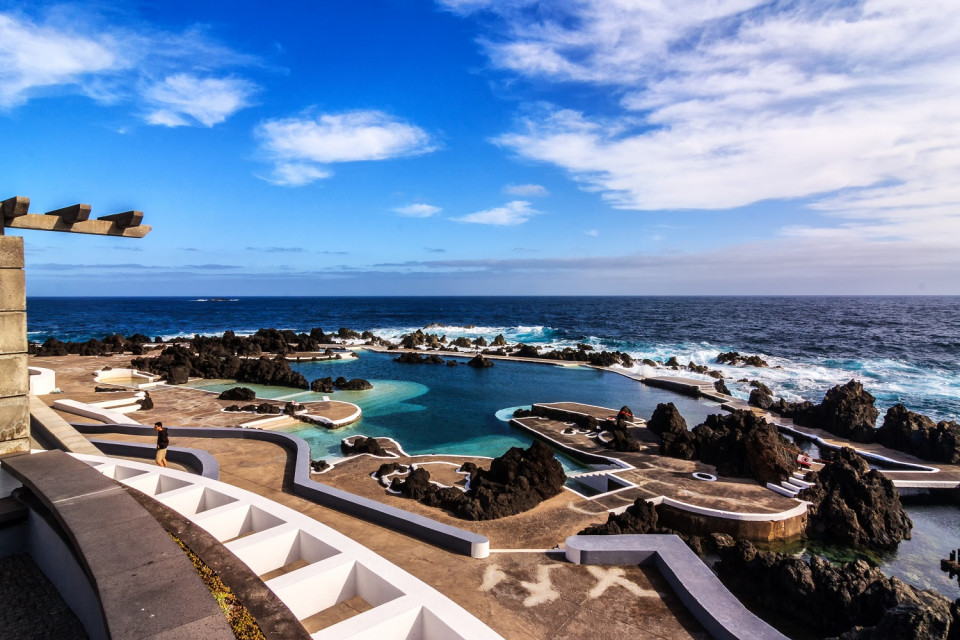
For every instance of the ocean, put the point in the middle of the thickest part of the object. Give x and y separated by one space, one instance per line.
903 349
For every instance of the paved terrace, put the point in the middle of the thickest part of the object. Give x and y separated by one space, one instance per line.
520 594
655 475
178 405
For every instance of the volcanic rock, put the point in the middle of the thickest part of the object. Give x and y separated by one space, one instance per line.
721 387
915 433
146 403
761 396
390 467
855 506
362 445
318 465
743 445
638 518
322 385
852 599
734 358
243 394
847 411
479 362
355 384
666 418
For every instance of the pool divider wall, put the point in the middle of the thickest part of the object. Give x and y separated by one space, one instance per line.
420 527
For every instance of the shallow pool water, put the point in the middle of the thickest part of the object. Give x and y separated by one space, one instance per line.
453 410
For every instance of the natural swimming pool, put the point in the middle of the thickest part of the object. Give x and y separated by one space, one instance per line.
453 410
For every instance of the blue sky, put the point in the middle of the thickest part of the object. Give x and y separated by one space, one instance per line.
401 147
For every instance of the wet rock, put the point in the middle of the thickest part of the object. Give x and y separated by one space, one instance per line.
243 394
413 358
855 506
673 363
761 396
362 445
322 385
852 600
499 341
734 358
649 363
697 368
915 433
721 387
479 362
355 384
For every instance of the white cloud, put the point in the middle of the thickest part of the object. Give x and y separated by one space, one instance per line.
418 210
341 137
725 103
526 190
593 233
184 99
293 174
510 214
120 66
34 56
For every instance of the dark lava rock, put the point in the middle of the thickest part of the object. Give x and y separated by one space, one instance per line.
108 389
734 358
721 387
233 408
390 467
673 363
355 384
322 385
499 341
915 433
413 358
681 444
146 403
452 363
516 481
855 506
743 445
318 465
252 408
638 518
468 467
266 407
624 418
697 368
623 441
852 600
363 445
650 363
243 394
666 418
479 362
847 411
761 396
415 485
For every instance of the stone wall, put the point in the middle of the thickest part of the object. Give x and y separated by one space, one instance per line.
14 376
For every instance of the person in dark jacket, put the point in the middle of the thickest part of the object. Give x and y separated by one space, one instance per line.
163 441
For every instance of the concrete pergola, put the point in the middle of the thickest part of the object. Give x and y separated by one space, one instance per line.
14 374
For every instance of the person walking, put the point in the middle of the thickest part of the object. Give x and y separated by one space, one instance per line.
163 441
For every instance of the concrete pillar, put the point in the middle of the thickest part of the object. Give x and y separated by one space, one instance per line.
14 377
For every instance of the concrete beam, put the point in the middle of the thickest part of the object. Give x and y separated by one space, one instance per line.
99 227
14 207
73 213
125 219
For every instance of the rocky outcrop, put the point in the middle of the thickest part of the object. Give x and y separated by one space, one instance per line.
915 433
479 362
666 418
360 445
638 518
721 387
853 600
619 429
243 394
322 385
413 358
318 465
734 358
743 445
855 506
390 467
847 411
355 384
516 481
761 396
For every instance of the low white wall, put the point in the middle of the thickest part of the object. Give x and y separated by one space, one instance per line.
42 381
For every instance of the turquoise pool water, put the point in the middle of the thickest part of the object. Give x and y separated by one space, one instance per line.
453 410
